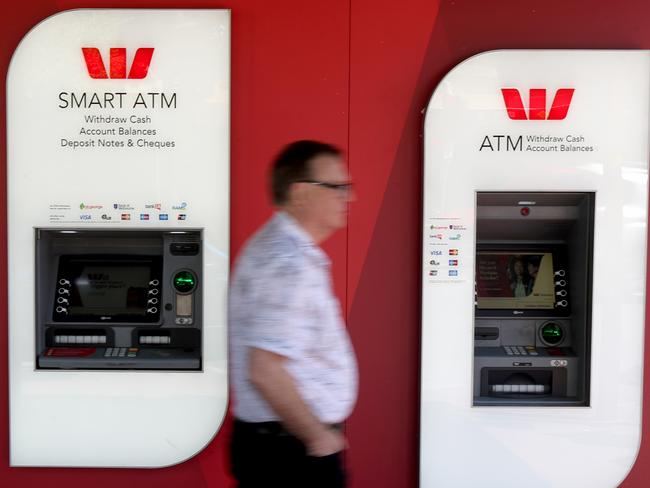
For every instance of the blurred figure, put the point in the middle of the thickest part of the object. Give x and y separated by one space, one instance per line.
518 277
293 368
533 269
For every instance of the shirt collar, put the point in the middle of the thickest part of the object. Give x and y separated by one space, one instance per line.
300 235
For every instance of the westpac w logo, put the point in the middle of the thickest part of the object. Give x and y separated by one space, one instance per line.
117 63
537 104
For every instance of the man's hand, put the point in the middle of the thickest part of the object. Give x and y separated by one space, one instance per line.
327 442
269 376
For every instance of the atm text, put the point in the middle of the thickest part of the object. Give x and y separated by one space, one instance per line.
535 143
117 100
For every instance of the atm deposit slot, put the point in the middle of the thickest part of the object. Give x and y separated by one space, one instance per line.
119 299
533 273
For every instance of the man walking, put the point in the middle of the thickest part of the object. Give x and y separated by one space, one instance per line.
292 365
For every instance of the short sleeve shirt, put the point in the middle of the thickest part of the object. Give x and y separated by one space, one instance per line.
281 300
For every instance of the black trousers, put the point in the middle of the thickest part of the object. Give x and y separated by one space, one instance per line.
264 455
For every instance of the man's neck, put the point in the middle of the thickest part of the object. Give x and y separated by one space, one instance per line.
315 231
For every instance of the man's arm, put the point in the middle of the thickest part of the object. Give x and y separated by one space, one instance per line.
269 376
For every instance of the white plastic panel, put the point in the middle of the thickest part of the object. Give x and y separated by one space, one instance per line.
591 446
181 171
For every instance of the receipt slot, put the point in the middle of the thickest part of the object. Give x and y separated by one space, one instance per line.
533 271
118 235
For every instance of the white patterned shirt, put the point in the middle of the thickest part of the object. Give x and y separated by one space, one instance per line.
281 300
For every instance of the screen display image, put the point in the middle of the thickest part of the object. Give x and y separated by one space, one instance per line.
509 280
110 290
107 289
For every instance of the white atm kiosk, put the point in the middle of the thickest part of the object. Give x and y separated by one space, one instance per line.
533 276
118 235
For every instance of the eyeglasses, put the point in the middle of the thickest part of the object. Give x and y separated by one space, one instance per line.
340 187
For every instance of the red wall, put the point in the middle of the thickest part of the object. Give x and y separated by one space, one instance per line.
357 74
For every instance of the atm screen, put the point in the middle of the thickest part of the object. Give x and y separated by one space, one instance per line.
107 289
515 280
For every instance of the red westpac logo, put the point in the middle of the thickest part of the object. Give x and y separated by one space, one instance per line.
537 104
117 63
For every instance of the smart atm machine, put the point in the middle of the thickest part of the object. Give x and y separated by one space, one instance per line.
118 235
118 299
533 271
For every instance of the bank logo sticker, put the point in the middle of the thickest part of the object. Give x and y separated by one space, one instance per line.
181 206
122 206
84 206
117 63
537 104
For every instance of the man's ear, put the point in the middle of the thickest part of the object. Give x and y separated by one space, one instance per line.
297 195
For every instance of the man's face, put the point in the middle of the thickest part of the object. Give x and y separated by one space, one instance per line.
327 207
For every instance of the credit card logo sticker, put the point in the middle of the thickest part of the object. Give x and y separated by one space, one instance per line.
453 272
163 217
144 216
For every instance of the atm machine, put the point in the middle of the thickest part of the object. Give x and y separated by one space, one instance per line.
118 235
119 299
533 277
533 272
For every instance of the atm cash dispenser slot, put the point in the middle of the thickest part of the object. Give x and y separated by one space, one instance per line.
118 299
533 298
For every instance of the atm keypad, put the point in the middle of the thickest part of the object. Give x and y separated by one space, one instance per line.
121 352
520 350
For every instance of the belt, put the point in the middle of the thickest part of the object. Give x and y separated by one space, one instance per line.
272 428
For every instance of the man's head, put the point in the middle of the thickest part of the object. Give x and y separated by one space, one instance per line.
310 181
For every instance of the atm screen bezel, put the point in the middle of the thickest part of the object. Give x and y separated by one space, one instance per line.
560 261
155 262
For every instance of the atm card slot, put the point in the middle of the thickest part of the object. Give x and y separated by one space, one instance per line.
486 333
